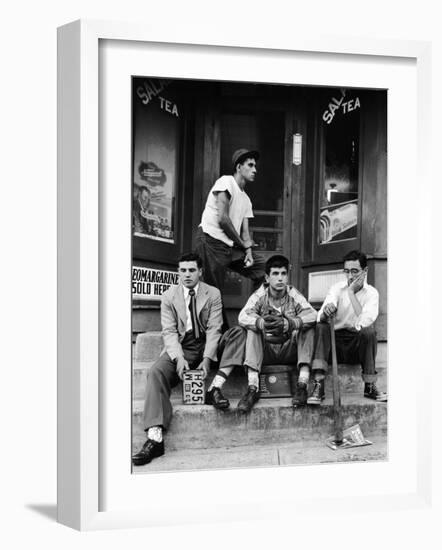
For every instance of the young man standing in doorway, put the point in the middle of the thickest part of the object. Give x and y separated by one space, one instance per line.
223 239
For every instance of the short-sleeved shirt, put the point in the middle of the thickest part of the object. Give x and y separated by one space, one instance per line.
240 207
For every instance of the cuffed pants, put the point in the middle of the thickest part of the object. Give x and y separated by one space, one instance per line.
162 377
351 347
241 346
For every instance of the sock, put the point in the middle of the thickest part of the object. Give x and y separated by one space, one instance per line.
304 374
253 377
155 433
319 374
220 377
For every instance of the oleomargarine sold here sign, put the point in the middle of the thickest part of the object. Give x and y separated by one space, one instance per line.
150 284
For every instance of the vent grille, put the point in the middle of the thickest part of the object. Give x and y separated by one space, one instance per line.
320 281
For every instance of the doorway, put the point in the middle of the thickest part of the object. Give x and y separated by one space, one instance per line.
267 129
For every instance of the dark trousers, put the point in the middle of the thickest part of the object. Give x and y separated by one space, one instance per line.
231 347
162 377
240 346
217 257
351 347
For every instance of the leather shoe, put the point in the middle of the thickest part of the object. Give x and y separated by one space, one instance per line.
151 449
248 400
216 398
300 397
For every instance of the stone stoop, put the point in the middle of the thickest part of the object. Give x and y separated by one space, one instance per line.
271 421
271 424
148 347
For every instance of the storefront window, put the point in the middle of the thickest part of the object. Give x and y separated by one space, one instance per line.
156 137
339 194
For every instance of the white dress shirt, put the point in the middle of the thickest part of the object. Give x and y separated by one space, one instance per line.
187 301
346 317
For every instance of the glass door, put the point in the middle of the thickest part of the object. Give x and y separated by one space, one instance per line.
270 193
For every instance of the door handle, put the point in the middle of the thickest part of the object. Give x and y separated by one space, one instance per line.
297 149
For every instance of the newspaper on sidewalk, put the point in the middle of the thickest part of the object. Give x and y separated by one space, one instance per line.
352 437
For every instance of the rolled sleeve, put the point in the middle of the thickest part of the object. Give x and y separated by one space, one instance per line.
331 298
370 311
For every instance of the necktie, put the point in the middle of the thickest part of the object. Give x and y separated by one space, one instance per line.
193 316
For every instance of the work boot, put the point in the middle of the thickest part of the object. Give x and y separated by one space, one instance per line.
248 400
300 397
371 391
216 398
317 394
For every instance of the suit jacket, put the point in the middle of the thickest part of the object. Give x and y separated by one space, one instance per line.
174 319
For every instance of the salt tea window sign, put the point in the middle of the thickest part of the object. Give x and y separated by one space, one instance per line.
339 185
156 133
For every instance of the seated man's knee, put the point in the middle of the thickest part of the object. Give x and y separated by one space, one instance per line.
368 333
155 371
236 333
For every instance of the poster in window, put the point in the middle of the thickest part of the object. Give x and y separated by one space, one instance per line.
338 197
155 165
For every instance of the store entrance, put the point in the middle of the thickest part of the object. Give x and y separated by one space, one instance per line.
268 130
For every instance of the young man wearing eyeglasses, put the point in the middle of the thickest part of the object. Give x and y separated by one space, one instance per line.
354 305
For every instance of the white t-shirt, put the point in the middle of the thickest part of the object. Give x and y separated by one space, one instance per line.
240 208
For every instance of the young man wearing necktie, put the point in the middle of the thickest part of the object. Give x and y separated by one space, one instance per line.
191 320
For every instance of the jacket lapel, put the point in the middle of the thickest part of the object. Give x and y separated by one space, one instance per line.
201 298
180 305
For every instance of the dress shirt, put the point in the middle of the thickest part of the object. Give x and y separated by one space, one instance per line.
346 317
187 300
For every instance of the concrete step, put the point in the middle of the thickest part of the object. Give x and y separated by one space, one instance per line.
271 421
264 455
148 346
235 386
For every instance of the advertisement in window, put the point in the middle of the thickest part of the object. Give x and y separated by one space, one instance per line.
339 195
155 166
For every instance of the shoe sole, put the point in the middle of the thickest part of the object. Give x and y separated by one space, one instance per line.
381 400
315 402
144 462
218 407
244 411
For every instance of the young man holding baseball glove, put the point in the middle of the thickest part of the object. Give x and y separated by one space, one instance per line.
276 327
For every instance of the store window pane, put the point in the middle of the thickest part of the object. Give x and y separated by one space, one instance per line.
338 197
156 126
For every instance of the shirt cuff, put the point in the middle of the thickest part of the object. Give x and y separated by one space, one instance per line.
294 323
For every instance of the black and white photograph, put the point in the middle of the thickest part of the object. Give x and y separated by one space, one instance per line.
259 274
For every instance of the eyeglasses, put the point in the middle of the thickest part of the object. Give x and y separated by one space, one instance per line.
352 271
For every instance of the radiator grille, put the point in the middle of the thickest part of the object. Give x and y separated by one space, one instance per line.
320 281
